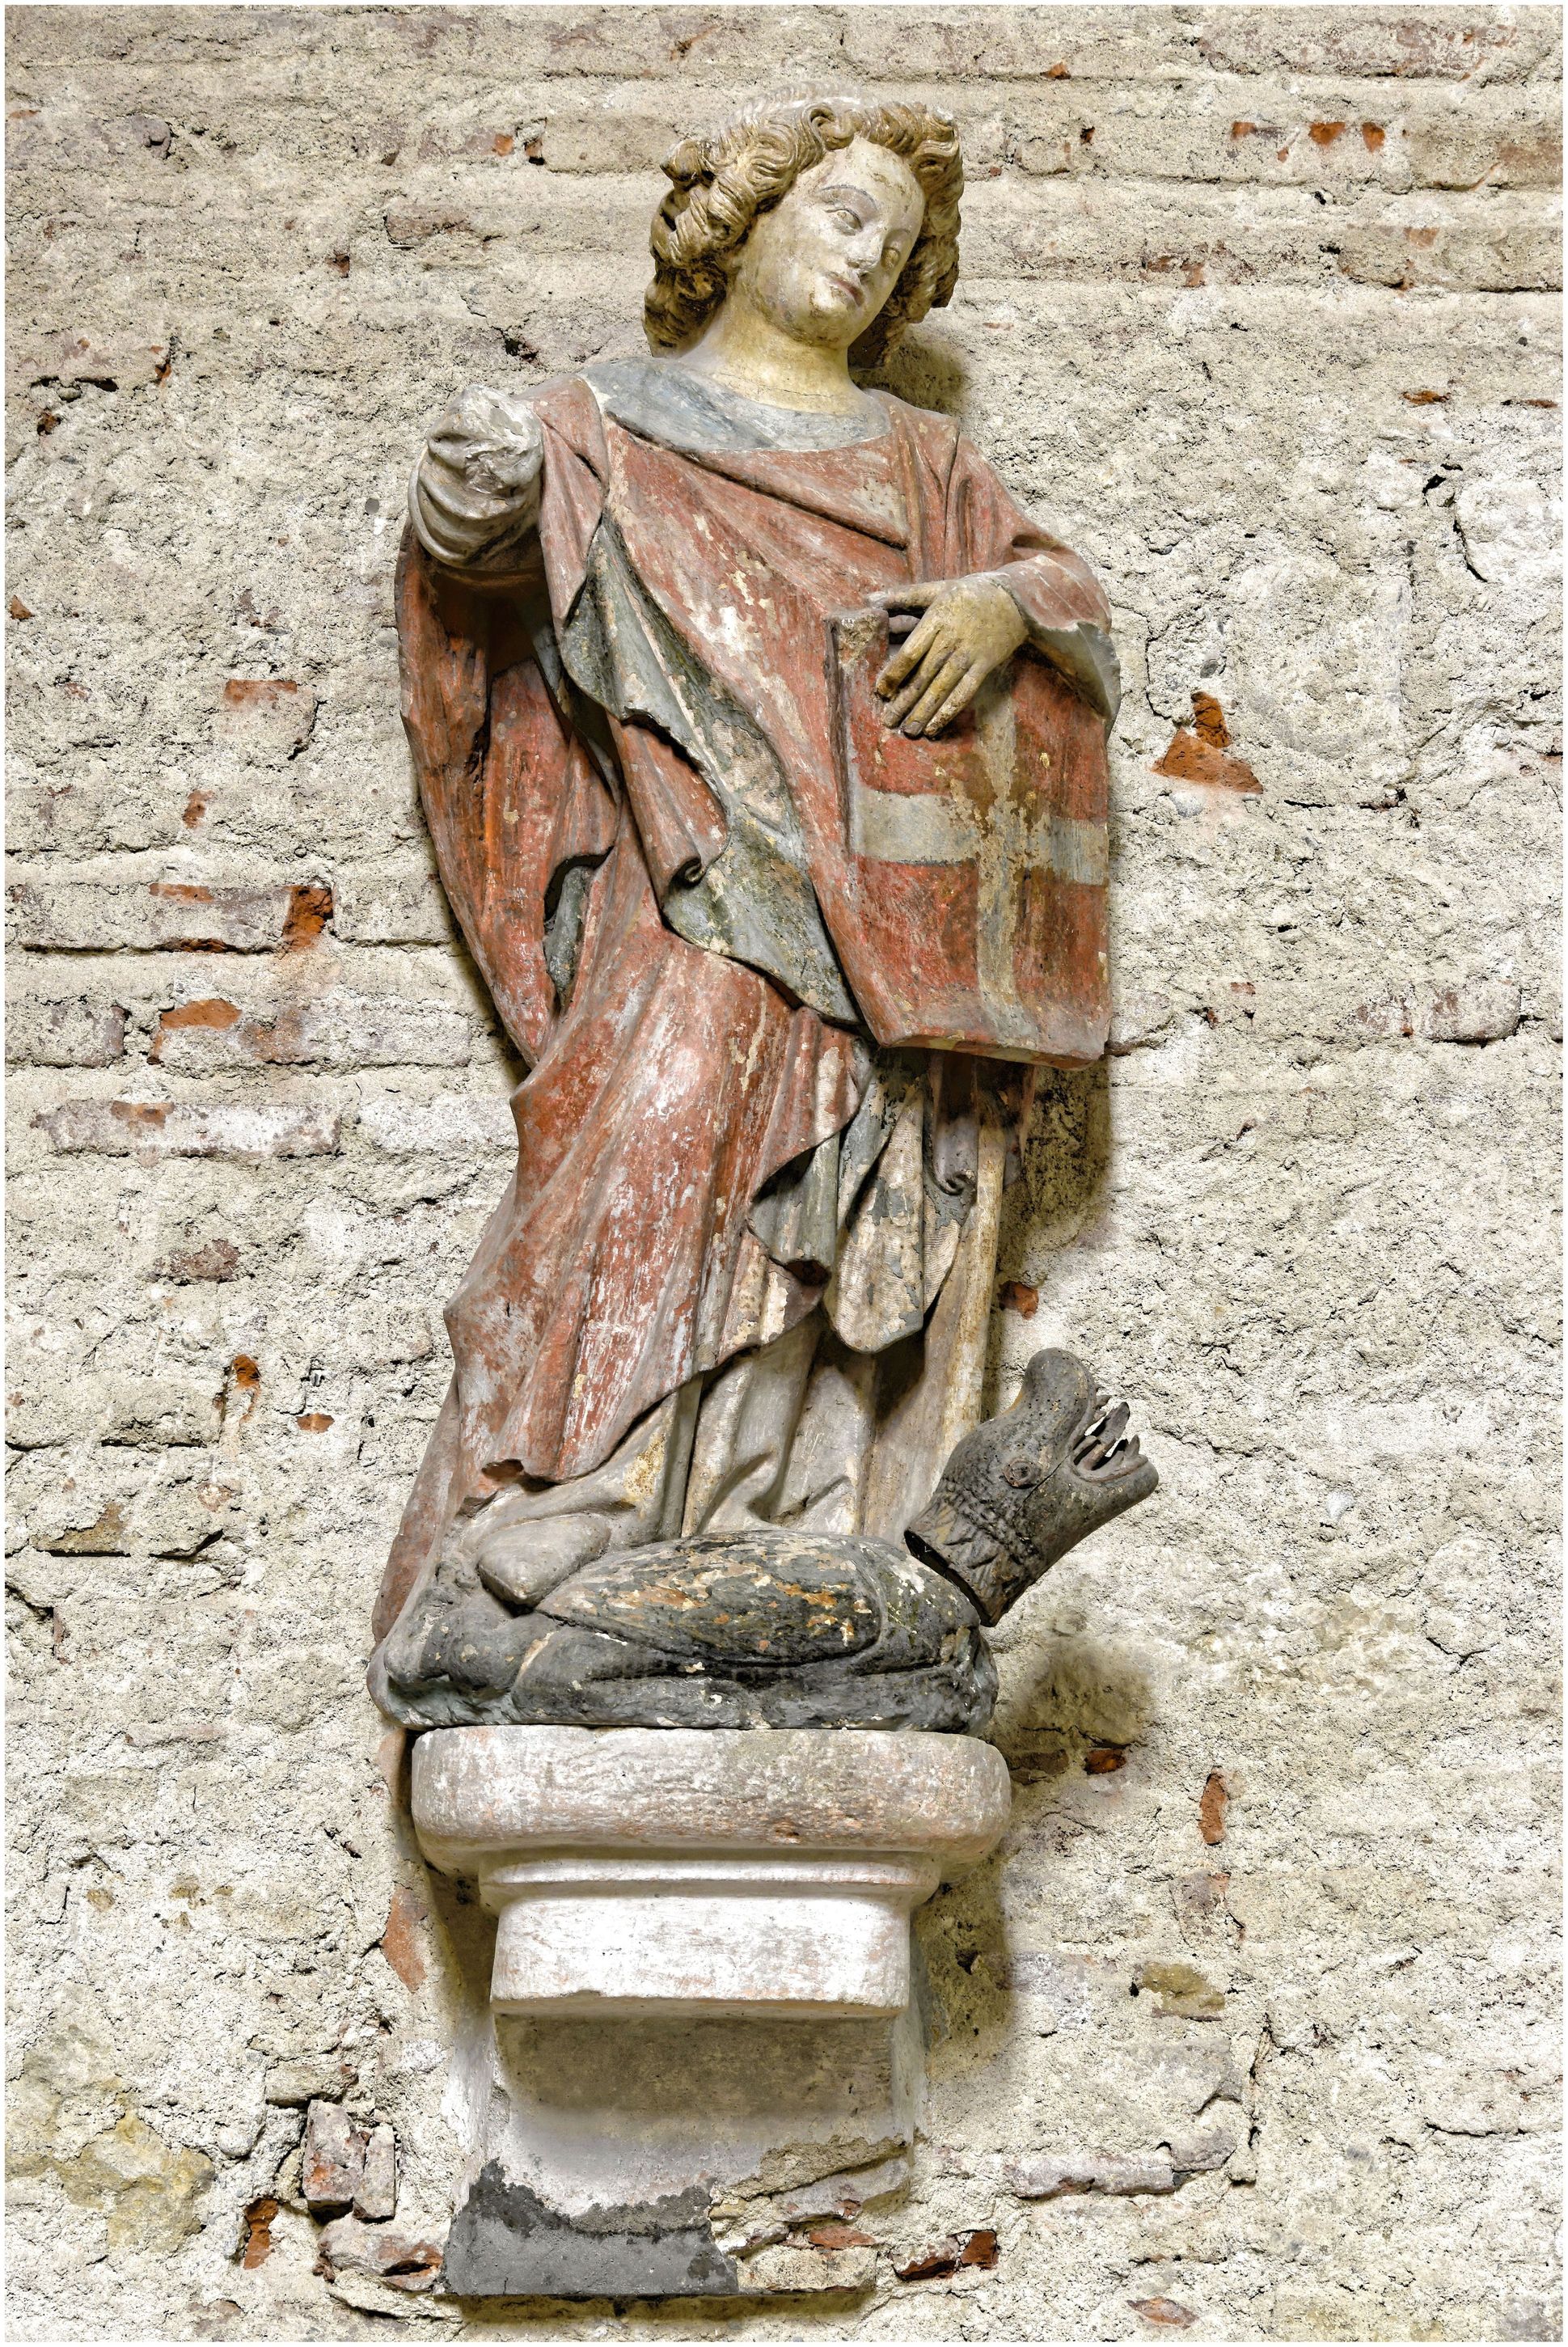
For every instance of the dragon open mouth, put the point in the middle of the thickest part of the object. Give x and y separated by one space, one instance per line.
1101 1450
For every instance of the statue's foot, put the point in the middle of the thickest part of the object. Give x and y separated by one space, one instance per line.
520 1559
1027 1486
452 1654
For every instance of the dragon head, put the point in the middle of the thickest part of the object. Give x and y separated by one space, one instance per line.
1027 1486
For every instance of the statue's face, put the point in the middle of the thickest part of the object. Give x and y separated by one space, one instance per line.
821 263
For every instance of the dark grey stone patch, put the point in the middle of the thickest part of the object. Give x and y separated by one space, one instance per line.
506 2242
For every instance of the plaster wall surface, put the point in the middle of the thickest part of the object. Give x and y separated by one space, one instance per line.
1249 2028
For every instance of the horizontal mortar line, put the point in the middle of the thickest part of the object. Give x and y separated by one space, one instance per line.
1206 112
456 180
1207 98
1475 192
303 368
151 77
384 287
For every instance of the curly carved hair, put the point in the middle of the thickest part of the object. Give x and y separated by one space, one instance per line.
720 184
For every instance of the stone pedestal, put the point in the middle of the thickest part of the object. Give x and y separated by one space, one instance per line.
659 1871
700 1979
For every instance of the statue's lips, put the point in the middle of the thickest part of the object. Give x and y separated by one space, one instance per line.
850 285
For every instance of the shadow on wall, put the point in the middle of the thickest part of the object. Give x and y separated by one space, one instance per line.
1084 1705
924 371
1066 1160
1080 1710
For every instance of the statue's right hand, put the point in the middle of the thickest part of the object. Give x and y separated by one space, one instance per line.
475 494
492 441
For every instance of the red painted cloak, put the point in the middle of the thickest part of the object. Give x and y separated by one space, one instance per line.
578 734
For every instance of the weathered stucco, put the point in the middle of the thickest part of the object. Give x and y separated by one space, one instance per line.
1250 2028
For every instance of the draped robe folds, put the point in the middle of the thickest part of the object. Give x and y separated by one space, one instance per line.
622 742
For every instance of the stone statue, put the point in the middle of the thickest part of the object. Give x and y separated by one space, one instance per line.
762 737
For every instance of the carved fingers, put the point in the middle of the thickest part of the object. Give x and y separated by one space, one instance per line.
475 488
968 627
493 438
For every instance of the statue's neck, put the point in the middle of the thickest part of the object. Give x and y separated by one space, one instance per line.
747 353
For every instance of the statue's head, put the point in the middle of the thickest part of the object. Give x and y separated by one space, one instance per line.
838 215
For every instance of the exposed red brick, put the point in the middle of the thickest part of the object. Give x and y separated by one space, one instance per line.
1425 398
269 718
1104 1761
1209 719
1190 759
310 911
400 1940
1017 1296
1477 1010
332 2158
1324 134
407 225
280 1043
17 609
1373 134
247 692
840 2236
502 143
1164 2311
930 2264
1244 130
211 1012
1531 162
315 1421
259 2217
945 2256
218 1259
181 892
1213 1803
234 1129
195 806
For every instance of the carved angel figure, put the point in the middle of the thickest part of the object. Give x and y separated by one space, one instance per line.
762 739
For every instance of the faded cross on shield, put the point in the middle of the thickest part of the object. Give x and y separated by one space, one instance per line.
978 862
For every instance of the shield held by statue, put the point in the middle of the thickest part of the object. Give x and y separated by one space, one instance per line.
976 862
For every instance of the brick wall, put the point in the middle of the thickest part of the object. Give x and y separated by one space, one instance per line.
1256 312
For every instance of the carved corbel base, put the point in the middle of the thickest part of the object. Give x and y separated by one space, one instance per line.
700 1993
